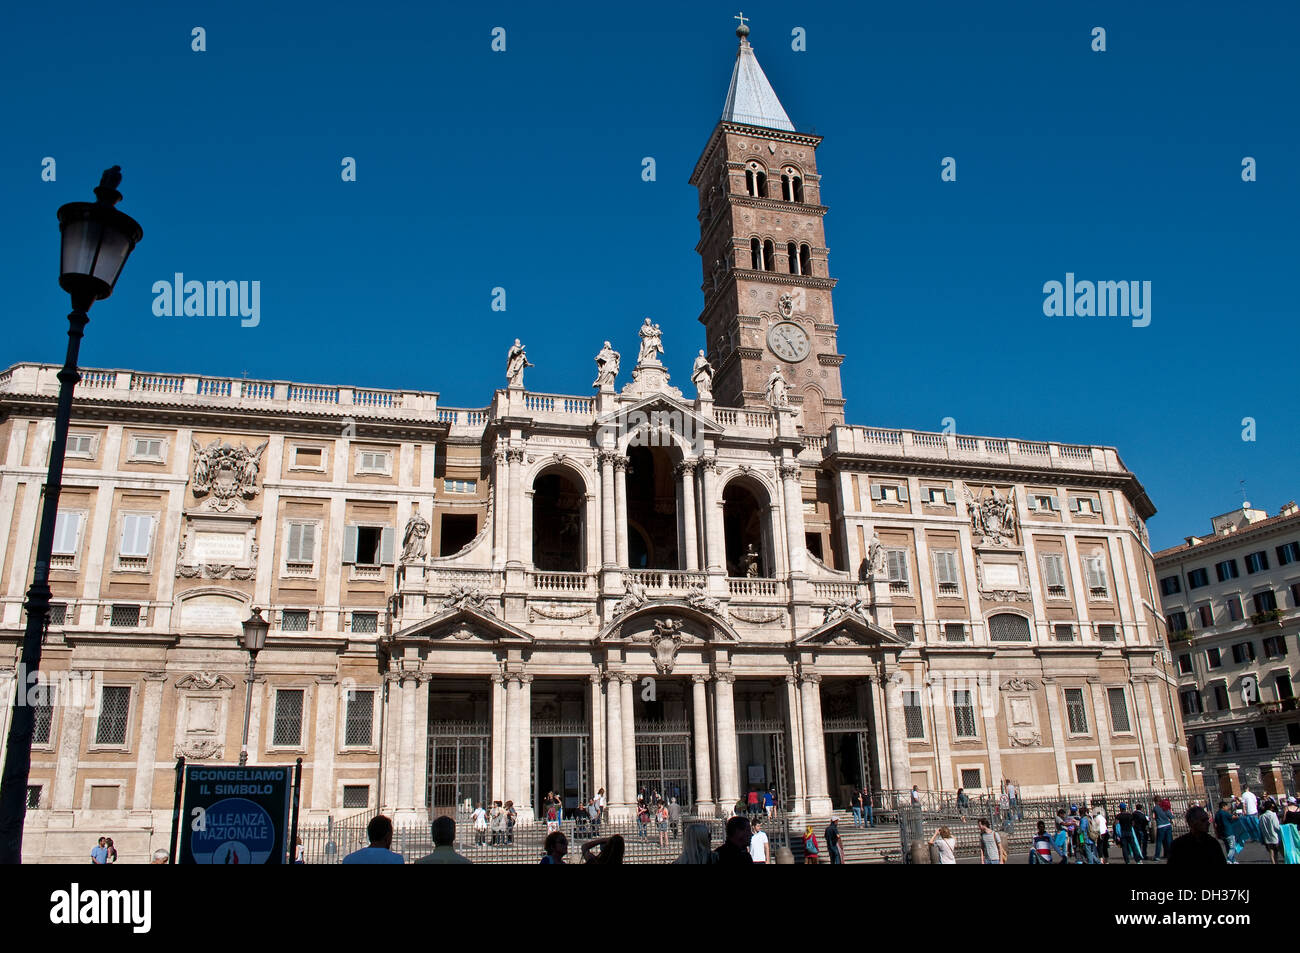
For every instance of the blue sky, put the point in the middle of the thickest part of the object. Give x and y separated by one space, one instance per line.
522 170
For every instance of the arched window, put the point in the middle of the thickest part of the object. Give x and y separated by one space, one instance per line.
559 510
747 531
756 180
792 255
796 188
1006 627
791 184
755 255
769 256
805 260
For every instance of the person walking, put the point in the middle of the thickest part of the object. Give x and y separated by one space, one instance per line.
1223 829
1196 848
696 847
642 817
759 849
444 837
963 804
674 817
1126 836
478 820
769 802
992 850
833 848
1270 832
1101 831
855 805
945 844
1087 849
380 834
811 853
1164 827
661 822
1004 810
1142 828
512 816
1014 797
1040 849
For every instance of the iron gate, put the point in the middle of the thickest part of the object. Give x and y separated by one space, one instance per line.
561 730
663 760
774 729
460 765
860 730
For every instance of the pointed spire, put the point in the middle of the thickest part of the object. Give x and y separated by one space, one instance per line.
751 99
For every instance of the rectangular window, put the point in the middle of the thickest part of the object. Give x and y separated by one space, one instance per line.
356 796
1283 687
300 546
1083 505
308 458
896 567
938 496
1226 570
1256 562
1197 578
67 531
1094 571
1213 657
1204 616
294 620
459 486
1198 745
1177 621
1075 711
137 531
1293 732
81 445
1054 575
963 710
366 623
1234 608
1221 702
360 718
287 730
954 632
1261 737
1170 586
1191 701
368 545
372 461
147 448
1243 652
1118 710
905 631
33 797
1085 772
912 716
889 492
945 571
124 617
1185 664
42 722
972 779
58 613
1107 633
1228 741
1288 553
1265 601
1295 594
114 706
1275 646
1064 632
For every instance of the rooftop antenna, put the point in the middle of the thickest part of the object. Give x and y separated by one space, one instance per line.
1245 503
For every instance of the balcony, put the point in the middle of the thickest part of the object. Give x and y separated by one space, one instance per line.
562 582
666 581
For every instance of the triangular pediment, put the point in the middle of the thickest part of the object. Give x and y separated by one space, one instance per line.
643 411
462 624
850 629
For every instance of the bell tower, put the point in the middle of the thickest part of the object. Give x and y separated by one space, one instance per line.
767 284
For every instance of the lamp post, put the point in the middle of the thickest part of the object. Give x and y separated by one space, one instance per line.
253 639
96 241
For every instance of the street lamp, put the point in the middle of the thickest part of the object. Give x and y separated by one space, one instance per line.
97 239
253 639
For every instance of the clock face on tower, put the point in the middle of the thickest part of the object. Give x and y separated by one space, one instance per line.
788 341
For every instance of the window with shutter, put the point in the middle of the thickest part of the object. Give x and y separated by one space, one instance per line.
1054 574
877 491
67 526
945 568
896 565
136 531
350 544
902 492
1095 574
81 445
301 544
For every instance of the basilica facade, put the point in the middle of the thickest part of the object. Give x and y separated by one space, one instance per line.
696 588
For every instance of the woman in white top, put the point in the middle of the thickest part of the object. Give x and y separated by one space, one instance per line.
943 841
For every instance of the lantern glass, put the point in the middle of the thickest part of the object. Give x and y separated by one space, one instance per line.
255 629
96 242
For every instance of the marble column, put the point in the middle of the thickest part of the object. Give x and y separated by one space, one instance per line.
511 772
713 535
406 782
728 756
322 767
629 738
795 543
686 470
614 745
499 745
524 798
150 717
72 722
814 745
620 509
420 749
798 769
900 765
514 521
597 723
700 730
500 507
608 537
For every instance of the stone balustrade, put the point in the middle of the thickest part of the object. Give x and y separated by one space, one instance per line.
915 444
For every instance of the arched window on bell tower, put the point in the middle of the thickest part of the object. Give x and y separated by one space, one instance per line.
792 255
755 254
756 181
791 185
769 256
805 260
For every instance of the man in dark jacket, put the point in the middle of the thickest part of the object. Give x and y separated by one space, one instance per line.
735 849
833 841
1197 848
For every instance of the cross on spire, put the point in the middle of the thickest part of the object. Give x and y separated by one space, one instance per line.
742 31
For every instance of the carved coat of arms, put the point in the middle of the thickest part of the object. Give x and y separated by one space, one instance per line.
665 643
993 517
226 473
